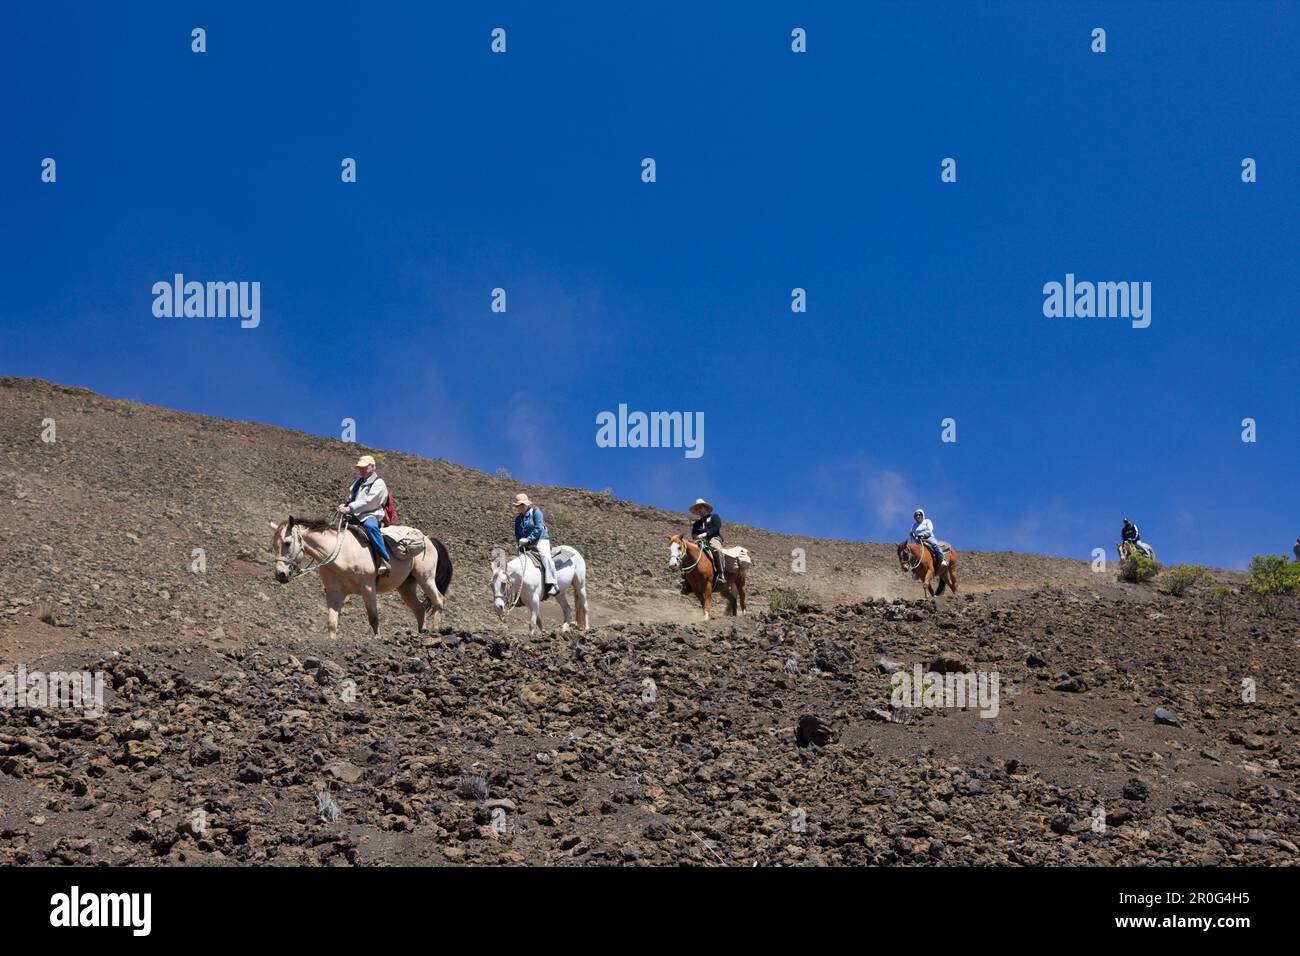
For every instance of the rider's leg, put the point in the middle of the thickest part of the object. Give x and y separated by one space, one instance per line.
377 543
719 559
1146 548
548 565
941 560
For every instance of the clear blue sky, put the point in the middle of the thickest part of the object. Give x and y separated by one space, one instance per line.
775 170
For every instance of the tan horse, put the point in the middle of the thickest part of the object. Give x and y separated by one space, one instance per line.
917 560
690 557
346 566
1127 548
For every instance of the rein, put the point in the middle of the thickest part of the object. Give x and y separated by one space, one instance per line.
295 571
687 550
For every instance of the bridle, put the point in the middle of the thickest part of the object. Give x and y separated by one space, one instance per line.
298 548
905 558
686 553
503 574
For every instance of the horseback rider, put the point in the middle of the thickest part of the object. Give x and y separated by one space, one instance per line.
707 531
1296 549
923 533
530 532
1131 534
366 506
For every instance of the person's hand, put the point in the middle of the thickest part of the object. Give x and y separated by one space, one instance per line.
343 509
522 542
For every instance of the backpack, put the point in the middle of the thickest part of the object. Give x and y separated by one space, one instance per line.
390 510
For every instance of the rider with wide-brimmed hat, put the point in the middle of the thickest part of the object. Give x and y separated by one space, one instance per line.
531 534
366 505
707 530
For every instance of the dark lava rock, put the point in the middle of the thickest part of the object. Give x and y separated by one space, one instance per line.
812 730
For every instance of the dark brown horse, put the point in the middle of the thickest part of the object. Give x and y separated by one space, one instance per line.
698 566
917 559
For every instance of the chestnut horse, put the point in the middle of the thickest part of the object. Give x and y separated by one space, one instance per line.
917 559
691 558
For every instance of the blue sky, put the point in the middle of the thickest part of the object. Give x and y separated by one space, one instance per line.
775 171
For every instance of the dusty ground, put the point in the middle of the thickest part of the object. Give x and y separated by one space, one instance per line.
226 698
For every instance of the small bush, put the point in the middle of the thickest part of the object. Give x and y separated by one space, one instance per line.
1179 580
783 599
560 521
503 473
1273 580
1137 569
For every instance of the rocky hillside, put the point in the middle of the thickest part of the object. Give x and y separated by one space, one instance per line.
235 732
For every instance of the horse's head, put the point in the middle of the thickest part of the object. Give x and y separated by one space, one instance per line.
499 581
675 550
286 545
904 556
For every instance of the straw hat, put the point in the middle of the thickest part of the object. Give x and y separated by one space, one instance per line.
364 461
701 503
522 499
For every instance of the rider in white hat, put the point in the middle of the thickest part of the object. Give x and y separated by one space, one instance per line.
707 530
530 532
366 504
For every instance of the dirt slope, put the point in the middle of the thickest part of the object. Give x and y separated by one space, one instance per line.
225 697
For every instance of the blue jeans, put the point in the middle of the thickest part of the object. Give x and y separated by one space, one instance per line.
376 539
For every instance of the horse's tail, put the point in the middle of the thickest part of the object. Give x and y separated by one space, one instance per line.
442 573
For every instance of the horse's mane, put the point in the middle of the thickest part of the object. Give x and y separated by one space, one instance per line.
316 524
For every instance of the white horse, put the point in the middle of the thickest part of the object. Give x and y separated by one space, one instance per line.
520 582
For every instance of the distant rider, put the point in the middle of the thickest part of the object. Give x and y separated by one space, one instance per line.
530 532
366 504
1132 536
923 533
707 531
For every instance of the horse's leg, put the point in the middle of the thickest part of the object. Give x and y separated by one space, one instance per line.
371 598
424 572
534 607
740 590
707 598
561 600
580 598
410 593
334 601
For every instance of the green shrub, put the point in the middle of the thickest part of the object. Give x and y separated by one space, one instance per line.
1273 580
783 599
1137 569
1179 580
560 521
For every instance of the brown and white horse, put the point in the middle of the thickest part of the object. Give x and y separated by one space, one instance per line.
917 560
688 556
346 566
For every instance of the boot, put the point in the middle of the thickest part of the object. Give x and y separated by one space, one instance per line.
686 586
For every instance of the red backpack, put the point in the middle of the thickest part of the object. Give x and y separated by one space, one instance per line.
390 510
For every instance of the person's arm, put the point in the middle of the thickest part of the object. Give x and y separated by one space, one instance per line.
534 523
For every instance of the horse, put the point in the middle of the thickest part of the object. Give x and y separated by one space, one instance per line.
1128 548
346 566
523 579
688 556
919 562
